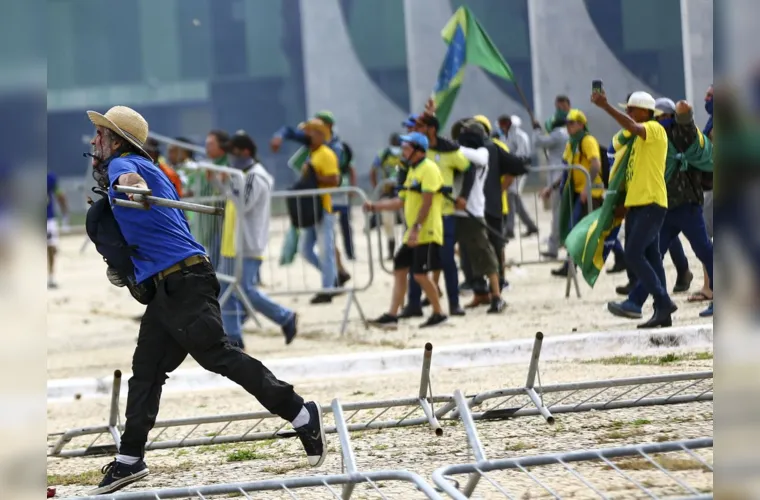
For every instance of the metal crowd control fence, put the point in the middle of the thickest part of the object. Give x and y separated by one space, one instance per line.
347 481
655 470
421 409
572 278
387 226
301 283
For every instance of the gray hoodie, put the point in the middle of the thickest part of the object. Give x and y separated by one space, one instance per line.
554 144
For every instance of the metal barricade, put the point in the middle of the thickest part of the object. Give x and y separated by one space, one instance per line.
306 276
348 480
525 259
422 409
387 226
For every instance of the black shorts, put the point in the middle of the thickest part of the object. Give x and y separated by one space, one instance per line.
420 259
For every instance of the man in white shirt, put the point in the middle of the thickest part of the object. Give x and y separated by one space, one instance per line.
518 142
251 222
471 232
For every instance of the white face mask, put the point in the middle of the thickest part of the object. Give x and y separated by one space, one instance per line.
395 150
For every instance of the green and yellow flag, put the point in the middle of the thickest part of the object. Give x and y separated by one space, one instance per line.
468 44
591 240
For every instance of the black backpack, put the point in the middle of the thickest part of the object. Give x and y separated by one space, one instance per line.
104 232
305 211
605 162
346 158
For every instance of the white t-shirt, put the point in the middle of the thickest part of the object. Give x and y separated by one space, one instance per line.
476 202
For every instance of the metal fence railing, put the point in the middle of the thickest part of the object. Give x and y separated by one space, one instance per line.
340 486
421 409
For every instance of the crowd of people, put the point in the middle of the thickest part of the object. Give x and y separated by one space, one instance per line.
454 192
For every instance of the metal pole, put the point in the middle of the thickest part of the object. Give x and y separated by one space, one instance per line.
427 358
347 452
472 438
144 196
533 368
113 417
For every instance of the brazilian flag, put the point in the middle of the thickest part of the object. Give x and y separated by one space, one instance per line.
468 44
591 240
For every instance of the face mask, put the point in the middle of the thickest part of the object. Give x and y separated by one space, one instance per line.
238 162
709 107
666 122
307 140
395 150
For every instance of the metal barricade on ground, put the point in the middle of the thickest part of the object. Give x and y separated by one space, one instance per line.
422 409
388 226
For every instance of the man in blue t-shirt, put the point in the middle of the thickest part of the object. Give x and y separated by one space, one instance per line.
54 193
184 317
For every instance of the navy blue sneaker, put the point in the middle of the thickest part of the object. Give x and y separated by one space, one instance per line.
290 329
625 309
707 313
119 475
312 435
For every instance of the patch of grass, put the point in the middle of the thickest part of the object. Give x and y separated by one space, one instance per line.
668 463
380 447
620 434
663 438
93 477
641 421
181 453
245 455
651 360
518 446
228 447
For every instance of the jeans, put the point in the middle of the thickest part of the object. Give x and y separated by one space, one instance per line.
234 313
182 319
449 264
686 219
345 229
675 250
323 234
642 250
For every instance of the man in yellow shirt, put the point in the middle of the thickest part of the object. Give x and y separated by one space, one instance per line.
582 149
324 163
646 201
422 202
453 166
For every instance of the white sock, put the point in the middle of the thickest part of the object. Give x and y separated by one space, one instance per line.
127 460
302 418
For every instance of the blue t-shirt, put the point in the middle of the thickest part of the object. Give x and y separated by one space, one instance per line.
52 187
161 234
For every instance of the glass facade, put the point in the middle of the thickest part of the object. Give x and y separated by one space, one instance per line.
645 36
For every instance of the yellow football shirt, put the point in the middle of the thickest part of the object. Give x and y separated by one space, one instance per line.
424 178
449 163
587 151
504 199
645 178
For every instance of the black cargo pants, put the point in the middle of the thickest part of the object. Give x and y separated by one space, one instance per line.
184 318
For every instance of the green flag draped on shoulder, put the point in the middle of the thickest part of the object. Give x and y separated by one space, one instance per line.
591 240
699 156
468 44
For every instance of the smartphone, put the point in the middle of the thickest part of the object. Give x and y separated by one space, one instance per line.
596 86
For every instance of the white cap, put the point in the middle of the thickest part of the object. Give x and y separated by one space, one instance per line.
642 100
516 121
665 105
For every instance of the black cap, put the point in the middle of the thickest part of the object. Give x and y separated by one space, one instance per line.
151 145
429 120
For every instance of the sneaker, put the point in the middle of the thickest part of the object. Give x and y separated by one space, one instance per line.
312 435
530 232
407 312
456 310
433 320
497 306
707 313
625 309
321 298
683 282
343 278
119 475
385 321
290 329
617 268
504 285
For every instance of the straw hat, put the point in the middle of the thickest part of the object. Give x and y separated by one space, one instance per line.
125 122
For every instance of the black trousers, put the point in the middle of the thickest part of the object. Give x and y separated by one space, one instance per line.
478 283
184 318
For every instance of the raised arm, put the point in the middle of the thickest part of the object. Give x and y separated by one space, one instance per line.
625 121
